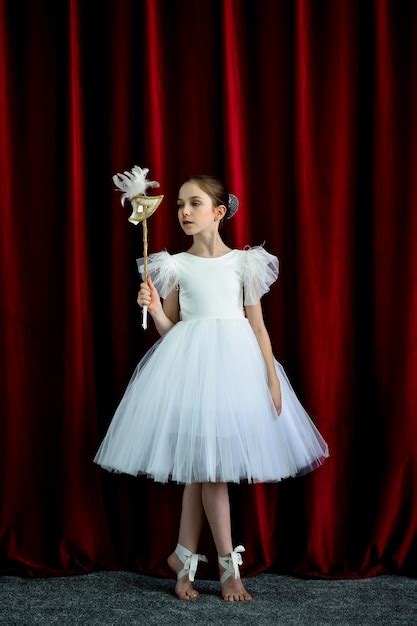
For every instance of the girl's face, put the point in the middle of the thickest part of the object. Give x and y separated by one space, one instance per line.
195 210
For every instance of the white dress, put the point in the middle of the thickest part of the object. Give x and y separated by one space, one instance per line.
197 407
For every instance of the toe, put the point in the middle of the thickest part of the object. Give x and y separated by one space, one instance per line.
192 592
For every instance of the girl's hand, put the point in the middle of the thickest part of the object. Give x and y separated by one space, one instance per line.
149 296
275 391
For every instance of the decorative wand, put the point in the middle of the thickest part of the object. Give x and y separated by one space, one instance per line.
134 185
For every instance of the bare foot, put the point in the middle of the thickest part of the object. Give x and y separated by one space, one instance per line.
233 589
184 587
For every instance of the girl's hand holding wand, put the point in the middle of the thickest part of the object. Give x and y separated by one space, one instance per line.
148 296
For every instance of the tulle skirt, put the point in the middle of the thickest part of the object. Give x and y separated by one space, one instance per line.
198 409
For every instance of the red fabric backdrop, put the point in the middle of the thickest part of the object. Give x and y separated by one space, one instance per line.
309 112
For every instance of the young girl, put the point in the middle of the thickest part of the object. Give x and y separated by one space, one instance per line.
209 403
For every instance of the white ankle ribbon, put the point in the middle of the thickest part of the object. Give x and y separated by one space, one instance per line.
190 561
237 559
234 560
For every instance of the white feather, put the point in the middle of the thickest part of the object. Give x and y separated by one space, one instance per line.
133 183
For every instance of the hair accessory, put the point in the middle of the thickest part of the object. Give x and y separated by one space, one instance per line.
232 206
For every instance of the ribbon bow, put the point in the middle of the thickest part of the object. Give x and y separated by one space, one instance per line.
237 559
191 562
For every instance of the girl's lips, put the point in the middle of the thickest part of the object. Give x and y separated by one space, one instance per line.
187 223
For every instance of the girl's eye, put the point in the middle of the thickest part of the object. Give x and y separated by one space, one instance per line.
179 206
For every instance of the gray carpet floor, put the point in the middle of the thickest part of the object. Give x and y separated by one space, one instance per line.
128 598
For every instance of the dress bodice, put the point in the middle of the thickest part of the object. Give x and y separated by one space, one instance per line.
213 287
210 286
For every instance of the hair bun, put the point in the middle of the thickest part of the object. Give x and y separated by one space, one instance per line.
232 206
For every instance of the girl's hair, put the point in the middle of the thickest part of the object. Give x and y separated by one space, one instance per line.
214 188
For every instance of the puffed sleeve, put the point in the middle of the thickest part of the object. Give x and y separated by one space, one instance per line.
260 270
163 271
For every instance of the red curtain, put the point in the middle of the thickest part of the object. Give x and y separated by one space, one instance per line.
308 110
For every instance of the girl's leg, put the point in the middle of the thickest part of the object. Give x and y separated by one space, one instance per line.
215 498
192 518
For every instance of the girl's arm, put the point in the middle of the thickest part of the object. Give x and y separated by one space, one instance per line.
256 320
162 322
165 316
255 317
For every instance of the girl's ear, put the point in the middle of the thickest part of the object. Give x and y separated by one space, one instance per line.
221 213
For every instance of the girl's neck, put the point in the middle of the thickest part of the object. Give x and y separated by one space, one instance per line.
214 247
